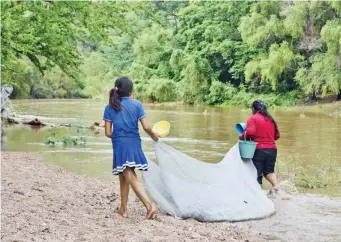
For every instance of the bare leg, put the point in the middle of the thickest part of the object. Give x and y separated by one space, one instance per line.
131 178
273 180
124 188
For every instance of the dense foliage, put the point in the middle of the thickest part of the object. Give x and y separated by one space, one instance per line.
214 52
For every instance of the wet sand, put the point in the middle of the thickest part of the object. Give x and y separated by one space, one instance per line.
305 217
43 202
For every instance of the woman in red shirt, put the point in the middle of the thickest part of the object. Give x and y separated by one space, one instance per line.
263 129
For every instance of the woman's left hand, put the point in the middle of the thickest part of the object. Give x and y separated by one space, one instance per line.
155 137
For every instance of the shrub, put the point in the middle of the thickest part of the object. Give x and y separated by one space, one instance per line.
162 90
220 92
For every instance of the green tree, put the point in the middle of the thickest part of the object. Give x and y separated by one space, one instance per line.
324 75
192 51
210 31
97 75
271 68
49 32
293 34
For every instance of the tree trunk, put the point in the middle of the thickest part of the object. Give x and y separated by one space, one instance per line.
309 30
313 97
338 97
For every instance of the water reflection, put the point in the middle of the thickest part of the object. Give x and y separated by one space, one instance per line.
35 128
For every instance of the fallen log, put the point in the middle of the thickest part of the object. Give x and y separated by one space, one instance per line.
37 122
19 120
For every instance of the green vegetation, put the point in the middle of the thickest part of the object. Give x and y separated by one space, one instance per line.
55 138
327 173
66 141
219 53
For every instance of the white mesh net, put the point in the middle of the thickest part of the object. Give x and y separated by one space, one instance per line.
185 187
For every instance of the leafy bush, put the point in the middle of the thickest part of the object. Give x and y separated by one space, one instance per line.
162 90
245 99
195 79
220 92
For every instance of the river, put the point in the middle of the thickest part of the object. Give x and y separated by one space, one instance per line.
310 140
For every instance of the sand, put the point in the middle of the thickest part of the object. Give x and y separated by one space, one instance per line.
41 202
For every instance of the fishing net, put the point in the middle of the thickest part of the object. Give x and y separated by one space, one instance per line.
185 187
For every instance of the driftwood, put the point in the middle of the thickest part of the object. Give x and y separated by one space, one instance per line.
37 122
20 120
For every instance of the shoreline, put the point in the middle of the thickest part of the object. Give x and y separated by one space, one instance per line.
327 105
43 202
331 108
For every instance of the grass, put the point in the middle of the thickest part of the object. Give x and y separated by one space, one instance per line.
326 173
333 109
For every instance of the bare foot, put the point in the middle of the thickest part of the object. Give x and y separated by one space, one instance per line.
122 212
151 212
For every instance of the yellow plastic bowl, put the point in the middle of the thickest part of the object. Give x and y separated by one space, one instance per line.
161 128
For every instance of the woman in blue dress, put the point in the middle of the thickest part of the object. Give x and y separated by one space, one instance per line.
121 118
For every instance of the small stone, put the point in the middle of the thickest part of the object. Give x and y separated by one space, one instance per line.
285 197
46 230
19 192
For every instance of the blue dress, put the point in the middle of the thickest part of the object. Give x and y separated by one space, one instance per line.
126 141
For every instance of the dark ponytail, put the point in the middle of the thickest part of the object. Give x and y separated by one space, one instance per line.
260 107
114 99
123 88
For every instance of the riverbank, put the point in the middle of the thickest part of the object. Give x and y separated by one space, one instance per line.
44 202
327 106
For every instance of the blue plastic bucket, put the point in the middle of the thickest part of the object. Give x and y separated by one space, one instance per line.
247 149
240 128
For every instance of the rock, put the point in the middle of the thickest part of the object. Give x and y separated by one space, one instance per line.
96 125
4 139
19 192
35 121
5 93
285 197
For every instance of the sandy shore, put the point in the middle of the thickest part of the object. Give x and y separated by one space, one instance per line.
43 202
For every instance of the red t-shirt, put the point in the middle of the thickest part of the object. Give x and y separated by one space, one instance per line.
261 130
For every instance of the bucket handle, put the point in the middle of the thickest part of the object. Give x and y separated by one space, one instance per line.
245 136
